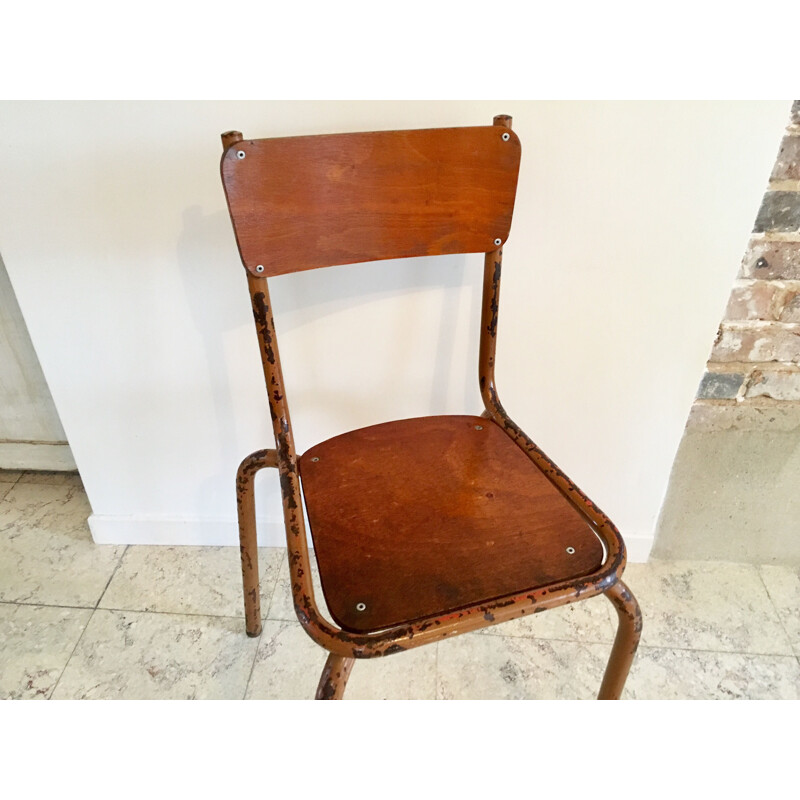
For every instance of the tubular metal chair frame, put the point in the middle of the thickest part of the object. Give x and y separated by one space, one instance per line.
344 646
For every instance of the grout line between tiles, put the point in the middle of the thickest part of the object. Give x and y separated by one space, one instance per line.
66 664
111 578
128 610
284 556
253 665
268 604
715 652
91 616
641 647
175 614
777 610
44 605
12 484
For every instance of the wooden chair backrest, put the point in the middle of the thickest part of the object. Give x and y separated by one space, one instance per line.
315 201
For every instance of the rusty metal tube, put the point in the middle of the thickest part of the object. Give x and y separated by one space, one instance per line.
334 677
248 545
625 643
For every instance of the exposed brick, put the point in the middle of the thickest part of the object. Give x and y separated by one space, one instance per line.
757 349
757 300
776 342
791 310
720 385
771 260
783 384
787 167
780 211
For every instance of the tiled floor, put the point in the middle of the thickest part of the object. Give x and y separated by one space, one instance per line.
79 620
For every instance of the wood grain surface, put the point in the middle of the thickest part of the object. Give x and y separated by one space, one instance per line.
315 201
423 516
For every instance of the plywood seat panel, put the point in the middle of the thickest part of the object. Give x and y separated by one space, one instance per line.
420 517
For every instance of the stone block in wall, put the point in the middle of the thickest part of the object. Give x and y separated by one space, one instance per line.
755 300
791 308
733 491
720 385
780 384
780 211
767 416
766 342
787 167
771 261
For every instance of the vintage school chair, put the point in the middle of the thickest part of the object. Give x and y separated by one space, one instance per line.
422 528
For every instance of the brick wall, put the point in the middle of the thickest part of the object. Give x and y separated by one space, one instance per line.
755 359
732 494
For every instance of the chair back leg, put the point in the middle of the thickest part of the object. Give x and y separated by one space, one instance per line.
334 677
248 546
625 643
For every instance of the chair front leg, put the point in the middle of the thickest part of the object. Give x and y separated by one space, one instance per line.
625 643
334 677
248 545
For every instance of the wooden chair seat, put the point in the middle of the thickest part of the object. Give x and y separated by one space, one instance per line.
421 517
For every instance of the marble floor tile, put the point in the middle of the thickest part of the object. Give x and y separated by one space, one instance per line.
282 606
711 630
47 555
783 587
35 645
706 605
402 676
135 655
666 674
475 667
585 621
289 664
53 478
188 580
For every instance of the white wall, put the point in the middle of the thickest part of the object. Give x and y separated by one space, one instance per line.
630 223
31 435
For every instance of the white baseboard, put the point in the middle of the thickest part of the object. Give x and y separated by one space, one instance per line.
37 456
144 529
639 547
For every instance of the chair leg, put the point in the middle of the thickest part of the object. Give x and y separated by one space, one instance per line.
334 677
625 643
248 547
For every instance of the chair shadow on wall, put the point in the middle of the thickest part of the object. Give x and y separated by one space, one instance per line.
218 309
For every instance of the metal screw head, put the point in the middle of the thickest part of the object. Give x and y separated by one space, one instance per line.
479 427
315 459
240 154
498 242
571 550
506 137
361 606
260 268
